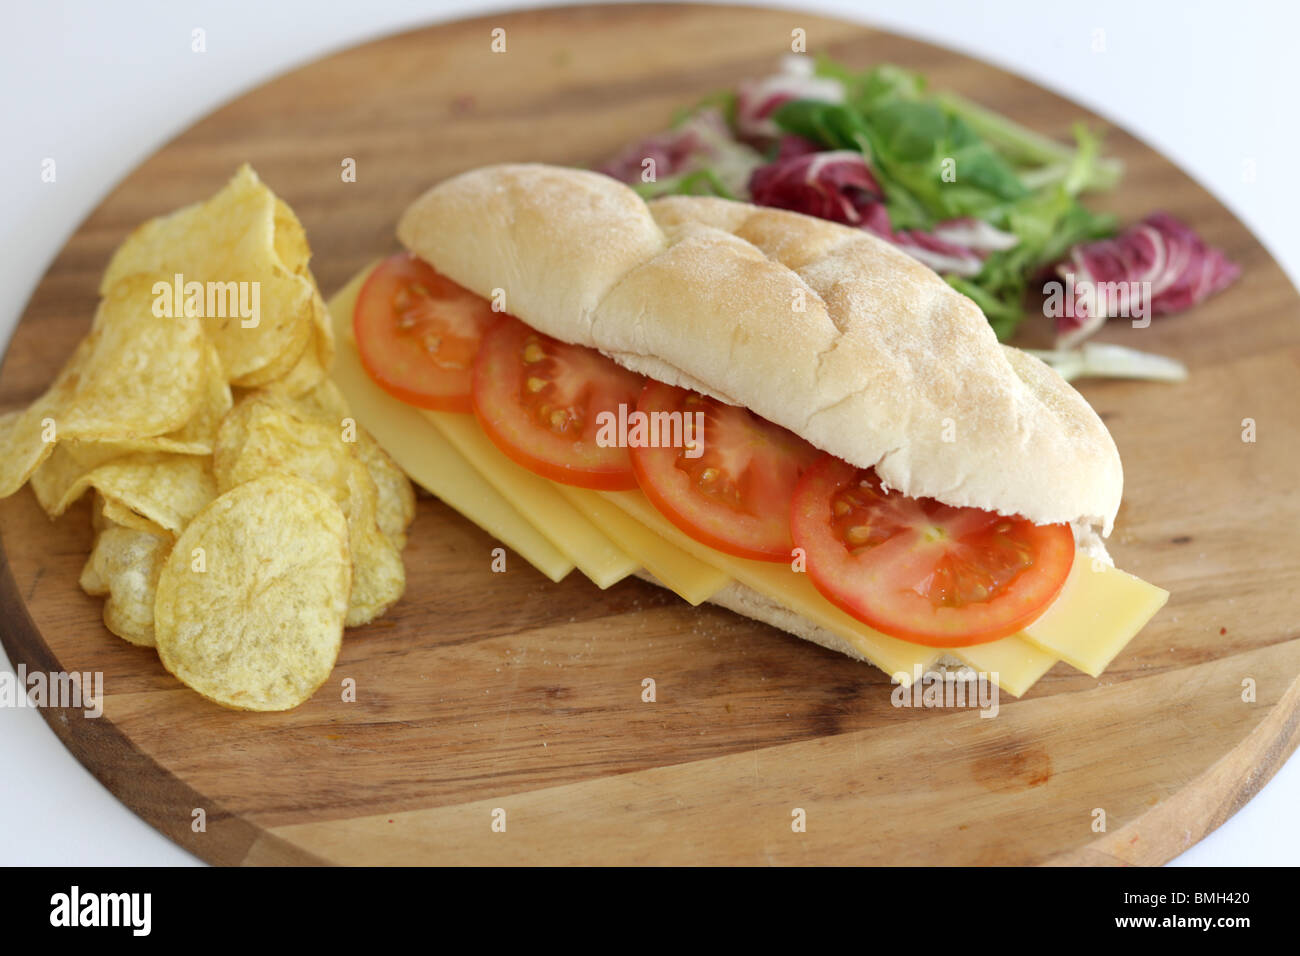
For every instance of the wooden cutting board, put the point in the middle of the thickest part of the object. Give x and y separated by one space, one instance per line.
482 691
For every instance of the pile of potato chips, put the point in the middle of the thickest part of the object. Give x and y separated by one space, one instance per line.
242 518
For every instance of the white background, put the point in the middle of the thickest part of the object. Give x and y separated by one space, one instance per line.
100 86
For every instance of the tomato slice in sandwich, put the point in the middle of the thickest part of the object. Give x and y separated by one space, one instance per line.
920 570
732 490
418 333
540 401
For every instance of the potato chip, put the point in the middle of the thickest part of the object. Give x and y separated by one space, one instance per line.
291 246
125 565
135 382
166 490
119 514
325 404
303 376
281 365
265 434
142 375
90 580
294 253
323 326
61 479
251 603
316 359
228 245
396 505
196 436
71 460
262 412
97 519
22 447
58 481
28 436
307 537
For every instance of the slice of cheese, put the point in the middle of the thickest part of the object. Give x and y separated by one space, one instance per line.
789 588
1099 610
693 580
583 543
1013 663
421 451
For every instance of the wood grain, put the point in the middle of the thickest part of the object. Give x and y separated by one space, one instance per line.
482 691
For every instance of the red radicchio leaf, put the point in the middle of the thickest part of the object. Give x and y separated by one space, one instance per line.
672 151
1172 265
955 247
791 146
839 186
835 185
754 107
946 258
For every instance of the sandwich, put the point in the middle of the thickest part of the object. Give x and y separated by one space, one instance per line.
755 408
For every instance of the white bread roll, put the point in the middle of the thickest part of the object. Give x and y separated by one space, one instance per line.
886 366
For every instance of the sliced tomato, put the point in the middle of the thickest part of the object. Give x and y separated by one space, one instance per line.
733 490
418 332
540 401
920 570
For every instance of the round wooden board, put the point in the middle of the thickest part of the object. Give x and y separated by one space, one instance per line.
484 690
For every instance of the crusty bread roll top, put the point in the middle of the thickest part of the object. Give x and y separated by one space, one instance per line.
821 328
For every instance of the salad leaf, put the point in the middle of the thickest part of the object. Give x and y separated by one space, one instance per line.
940 166
867 88
932 165
1002 307
1101 360
698 156
829 125
1047 223
1026 148
1154 267
724 101
834 185
939 158
836 126
697 182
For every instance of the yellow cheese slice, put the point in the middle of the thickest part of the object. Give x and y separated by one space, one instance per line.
421 451
1013 663
578 539
1016 663
789 588
1099 610
693 580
